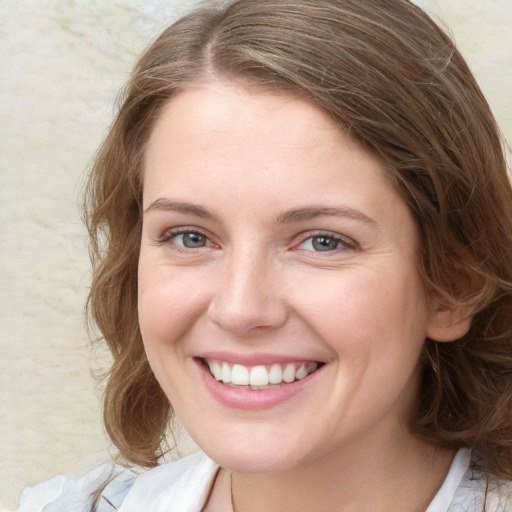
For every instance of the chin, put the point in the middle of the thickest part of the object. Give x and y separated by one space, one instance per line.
252 454
255 462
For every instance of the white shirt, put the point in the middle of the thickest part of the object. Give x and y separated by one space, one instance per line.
184 485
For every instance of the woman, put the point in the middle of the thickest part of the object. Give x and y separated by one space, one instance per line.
302 237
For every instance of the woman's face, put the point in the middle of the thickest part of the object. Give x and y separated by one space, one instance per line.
275 252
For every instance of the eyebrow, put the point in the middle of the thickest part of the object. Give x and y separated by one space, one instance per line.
175 206
308 213
286 217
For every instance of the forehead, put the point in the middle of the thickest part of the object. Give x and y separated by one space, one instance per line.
205 105
212 121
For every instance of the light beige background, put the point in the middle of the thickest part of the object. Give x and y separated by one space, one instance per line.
62 63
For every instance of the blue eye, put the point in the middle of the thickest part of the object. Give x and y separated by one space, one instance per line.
190 240
185 238
321 243
325 242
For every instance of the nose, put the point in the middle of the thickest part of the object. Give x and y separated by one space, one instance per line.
249 298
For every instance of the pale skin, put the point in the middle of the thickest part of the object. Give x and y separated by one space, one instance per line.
268 232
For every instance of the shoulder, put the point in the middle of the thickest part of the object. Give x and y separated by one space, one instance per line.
185 483
479 492
180 486
78 489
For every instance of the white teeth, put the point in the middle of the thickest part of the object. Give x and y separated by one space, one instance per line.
259 376
301 373
240 375
216 369
226 373
275 375
289 373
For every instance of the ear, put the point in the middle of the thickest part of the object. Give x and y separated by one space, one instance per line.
448 323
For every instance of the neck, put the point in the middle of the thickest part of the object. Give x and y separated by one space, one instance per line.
406 479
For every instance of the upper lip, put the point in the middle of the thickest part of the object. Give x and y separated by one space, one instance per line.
254 359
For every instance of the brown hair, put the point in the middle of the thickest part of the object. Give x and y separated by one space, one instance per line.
390 77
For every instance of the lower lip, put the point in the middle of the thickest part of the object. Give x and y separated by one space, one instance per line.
253 400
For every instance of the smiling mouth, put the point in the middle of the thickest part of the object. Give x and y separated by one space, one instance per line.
259 377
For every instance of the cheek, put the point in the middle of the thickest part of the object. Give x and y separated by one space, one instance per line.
368 315
163 310
376 327
167 305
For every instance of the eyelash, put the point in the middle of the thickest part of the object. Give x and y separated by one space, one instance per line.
343 243
172 233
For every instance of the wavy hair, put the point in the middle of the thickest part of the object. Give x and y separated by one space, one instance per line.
393 80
